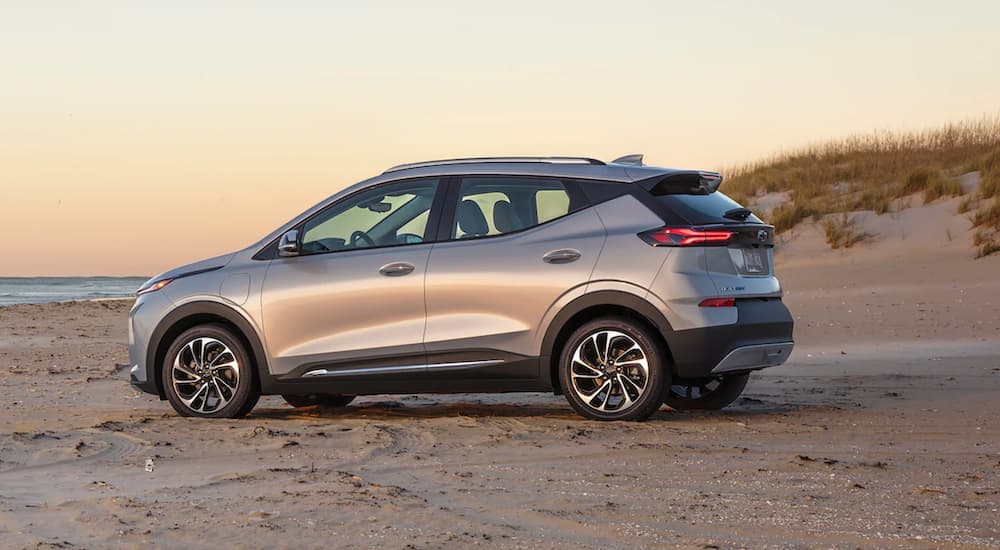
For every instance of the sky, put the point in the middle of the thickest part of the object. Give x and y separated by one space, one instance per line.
138 136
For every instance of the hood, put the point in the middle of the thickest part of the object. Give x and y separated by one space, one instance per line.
194 268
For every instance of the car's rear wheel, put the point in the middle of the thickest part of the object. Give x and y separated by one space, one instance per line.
323 400
707 394
613 368
207 373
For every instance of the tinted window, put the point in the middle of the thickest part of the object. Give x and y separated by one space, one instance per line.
703 209
382 216
494 206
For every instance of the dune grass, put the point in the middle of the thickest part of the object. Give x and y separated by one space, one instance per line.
842 231
866 172
987 224
986 219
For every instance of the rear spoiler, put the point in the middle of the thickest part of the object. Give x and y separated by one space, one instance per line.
685 182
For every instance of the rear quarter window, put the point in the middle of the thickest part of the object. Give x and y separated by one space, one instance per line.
703 209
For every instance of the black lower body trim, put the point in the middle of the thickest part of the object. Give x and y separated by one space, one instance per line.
697 351
465 371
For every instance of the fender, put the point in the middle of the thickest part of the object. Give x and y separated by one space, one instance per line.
595 299
204 309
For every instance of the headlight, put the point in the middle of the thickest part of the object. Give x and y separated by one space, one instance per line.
153 287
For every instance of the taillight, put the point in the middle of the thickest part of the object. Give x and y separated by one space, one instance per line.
718 302
684 236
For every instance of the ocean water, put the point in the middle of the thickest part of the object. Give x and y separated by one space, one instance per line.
42 290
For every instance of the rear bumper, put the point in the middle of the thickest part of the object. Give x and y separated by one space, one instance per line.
755 356
760 338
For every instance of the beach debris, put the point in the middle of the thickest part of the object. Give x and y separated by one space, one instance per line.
149 465
827 461
110 426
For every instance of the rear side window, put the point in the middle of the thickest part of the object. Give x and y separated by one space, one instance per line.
551 204
703 209
489 206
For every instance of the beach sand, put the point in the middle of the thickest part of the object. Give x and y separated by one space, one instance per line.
880 431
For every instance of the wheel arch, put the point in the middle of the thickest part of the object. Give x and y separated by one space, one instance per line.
199 313
591 306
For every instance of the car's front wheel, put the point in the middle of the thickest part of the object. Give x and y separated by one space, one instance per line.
708 394
614 368
322 400
207 373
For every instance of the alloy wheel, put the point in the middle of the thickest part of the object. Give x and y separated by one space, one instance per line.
609 371
205 375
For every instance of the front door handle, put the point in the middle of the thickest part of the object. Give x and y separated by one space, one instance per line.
561 256
396 269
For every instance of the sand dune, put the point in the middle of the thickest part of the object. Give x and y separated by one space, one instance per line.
880 431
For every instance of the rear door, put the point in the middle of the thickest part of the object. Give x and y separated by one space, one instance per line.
509 247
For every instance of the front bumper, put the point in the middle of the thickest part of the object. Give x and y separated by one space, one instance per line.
136 377
146 313
760 338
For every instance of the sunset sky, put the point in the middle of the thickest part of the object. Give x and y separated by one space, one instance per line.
135 136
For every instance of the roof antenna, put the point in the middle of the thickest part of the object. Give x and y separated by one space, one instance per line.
632 160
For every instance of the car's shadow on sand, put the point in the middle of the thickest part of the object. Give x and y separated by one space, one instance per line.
391 409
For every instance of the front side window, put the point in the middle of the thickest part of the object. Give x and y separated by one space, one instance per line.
490 206
386 215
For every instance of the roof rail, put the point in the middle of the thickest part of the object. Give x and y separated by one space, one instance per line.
473 160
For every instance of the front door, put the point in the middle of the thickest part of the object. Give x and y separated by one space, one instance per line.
352 303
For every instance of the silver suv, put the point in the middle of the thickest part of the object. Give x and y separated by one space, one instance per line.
619 285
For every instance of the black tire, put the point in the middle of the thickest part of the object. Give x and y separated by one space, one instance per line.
705 395
657 375
323 400
246 393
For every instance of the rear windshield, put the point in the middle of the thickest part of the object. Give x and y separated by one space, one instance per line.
703 209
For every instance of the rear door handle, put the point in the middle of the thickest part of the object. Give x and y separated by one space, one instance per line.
396 269
561 256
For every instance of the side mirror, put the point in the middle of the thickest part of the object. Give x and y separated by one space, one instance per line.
289 244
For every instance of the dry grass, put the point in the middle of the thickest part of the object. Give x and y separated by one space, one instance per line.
843 231
866 172
989 170
942 188
987 224
931 183
967 204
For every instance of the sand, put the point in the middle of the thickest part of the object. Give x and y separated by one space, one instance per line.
880 431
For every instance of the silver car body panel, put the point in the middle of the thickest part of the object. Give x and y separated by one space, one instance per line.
472 305
337 307
490 293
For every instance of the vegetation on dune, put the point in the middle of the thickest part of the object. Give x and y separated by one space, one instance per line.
860 172
987 224
842 231
867 172
987 219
